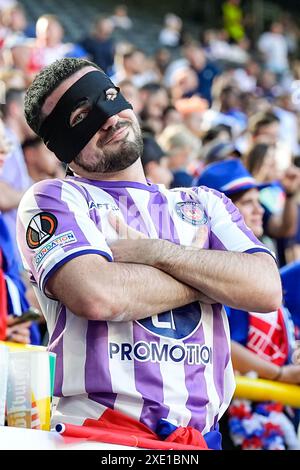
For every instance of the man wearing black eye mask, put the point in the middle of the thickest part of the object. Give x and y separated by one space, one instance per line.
137 324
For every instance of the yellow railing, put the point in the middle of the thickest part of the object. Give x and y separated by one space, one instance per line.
267 390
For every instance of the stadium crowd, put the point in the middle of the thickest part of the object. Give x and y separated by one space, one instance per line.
221 109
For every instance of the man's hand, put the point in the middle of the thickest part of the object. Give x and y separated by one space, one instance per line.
136 247
17 333
291 180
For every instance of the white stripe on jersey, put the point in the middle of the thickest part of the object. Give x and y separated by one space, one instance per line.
141 200
122 374
75 410
213 397
185 231
175 397
229 387
74 346
49 308
234 239
229 381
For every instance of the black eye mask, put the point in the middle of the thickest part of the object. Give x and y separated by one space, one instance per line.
66 141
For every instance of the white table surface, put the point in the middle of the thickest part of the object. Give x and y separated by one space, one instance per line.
30 439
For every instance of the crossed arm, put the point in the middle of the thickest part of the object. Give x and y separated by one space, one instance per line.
94 288
234 279
152 276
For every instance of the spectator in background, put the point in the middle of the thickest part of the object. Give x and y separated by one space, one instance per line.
14 178
13 300
226 110
131 93
265 127
155 101
120 18
45 49
278 199
206 71
162 60
155 163
100 45
220 132
18 30
170 35
246 77
182 148
267 86
274 47
135 66
171 116
41 162
217 150
233 20
192 111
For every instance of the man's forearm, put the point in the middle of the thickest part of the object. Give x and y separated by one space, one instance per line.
140 291
117 291
245 361
245 281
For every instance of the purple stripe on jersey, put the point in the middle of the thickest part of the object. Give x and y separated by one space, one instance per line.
151 385
215 243
196 385
56 346
97 375
260 250
49 199
221 355
159 210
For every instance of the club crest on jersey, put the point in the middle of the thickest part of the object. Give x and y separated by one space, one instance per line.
40 229
191 212
178 323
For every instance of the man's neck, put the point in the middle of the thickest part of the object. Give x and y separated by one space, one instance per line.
134 173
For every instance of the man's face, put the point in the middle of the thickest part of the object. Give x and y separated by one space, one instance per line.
252 211
114 147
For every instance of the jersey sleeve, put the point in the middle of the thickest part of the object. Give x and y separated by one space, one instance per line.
228 230
54 226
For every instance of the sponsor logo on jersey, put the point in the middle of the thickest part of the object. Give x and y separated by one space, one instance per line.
41 227
191 212
142 351
179 323
61 240
107 206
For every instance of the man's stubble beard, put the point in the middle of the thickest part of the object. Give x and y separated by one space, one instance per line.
110 161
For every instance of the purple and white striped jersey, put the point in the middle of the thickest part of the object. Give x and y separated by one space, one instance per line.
175 365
